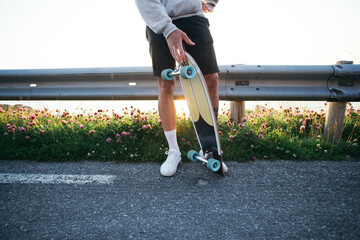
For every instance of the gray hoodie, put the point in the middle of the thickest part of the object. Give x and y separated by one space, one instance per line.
158 14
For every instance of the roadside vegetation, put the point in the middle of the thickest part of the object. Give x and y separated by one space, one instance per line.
132 135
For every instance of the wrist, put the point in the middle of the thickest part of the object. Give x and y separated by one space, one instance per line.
169 30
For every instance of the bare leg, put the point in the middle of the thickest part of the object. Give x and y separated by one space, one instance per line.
168 117
166 104
212 80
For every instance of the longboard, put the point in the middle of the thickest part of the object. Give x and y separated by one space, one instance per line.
201 111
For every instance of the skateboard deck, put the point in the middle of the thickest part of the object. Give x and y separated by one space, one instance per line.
202 114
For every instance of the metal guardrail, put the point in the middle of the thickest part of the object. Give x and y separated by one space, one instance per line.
236 82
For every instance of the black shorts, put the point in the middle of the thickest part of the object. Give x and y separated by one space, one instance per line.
197 29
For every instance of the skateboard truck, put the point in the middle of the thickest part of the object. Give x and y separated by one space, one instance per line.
186 72
211 163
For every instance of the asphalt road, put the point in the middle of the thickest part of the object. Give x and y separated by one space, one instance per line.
256 200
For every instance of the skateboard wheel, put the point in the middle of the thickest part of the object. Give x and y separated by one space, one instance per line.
192 155
166 74
213 164
187 72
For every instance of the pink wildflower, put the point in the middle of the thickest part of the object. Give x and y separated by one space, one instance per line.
261 136
27 138
108 140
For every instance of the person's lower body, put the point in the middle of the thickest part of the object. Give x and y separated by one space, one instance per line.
197 28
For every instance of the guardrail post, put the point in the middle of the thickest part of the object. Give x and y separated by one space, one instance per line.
237 111
335 116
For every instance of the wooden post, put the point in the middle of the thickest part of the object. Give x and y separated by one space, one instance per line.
335 116
334 123
237 111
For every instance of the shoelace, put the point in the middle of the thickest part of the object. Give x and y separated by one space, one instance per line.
171 159
169 151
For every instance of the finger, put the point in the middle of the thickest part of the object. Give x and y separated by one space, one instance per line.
181 54
188 40
175 54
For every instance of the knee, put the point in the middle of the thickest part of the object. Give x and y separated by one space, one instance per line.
212 80
166 87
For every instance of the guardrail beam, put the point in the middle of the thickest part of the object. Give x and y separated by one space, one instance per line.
236 83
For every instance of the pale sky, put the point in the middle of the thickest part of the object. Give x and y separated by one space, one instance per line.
110 33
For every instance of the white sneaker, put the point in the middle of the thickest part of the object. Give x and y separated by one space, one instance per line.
207 156
169 167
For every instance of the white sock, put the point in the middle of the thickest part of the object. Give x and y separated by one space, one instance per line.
171 139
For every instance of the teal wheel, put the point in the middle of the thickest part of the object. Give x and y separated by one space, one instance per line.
187 72
167 74
192 155
213 164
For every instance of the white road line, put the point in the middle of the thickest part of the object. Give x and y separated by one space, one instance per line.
55 178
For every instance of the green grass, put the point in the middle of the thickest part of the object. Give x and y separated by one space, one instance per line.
135 136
